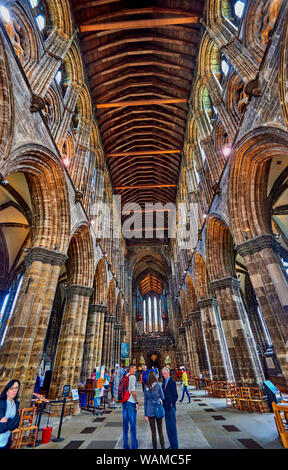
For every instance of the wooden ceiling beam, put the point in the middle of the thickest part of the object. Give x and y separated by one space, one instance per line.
146 186
136 74
139 24
151 152
121 104
91 4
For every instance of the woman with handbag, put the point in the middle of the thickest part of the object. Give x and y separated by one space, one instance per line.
153 408
9 415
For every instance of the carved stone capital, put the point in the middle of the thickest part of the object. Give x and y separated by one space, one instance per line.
195 314
216 188
37 103
225 282
254 245
97 308
75 289
109 319
45 256
207 303
78 195
252 88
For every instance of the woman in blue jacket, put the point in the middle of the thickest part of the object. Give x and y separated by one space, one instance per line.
9 415
153 394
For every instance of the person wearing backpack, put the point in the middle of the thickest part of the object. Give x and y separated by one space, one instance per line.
153 394
130 405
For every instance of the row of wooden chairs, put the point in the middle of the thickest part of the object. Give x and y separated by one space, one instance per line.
241 398
26 433
245 398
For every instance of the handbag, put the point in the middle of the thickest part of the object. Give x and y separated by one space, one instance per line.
159 410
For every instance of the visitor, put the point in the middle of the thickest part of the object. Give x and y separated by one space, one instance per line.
153 394
111 384
184 384
9 415
169 403
129 411
144 376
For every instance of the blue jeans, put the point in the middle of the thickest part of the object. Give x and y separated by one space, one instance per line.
170 419
185 390
129 416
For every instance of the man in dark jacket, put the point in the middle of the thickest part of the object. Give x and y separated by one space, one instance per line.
144 378
169 403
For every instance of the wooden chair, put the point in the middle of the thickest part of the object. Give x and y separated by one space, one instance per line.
231 395
26 433
244 399
280 422
256 403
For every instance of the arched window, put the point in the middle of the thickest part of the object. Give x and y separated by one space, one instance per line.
40 15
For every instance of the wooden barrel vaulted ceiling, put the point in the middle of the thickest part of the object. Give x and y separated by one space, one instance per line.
140 58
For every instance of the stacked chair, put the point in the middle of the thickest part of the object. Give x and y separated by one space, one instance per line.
26 433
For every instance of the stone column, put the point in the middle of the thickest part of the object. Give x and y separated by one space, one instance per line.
69 355
70 100
219 359
262 259
192 351
200 343
108 340
41 74
100 333
117 333
21 352
92 338
241 345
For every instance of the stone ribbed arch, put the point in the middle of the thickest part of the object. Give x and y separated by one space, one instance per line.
46 180
220 255
283 70
238 335
209 56
49 235
247 187
73 65
60 15
214 11
29 35
191 294
250 220
201 281
7 105
253 15
80 264
100 293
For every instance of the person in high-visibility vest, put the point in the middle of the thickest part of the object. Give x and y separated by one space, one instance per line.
185 385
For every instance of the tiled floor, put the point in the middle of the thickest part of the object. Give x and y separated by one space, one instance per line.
205 423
